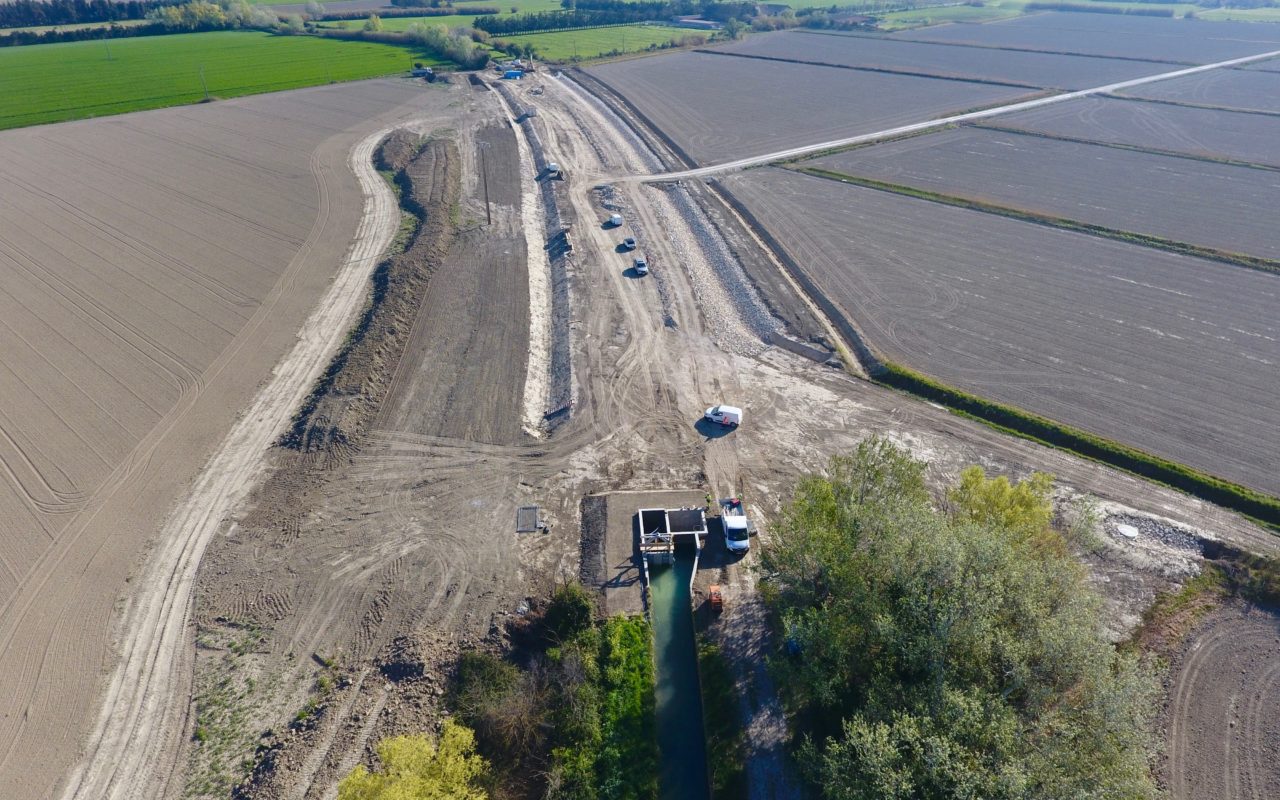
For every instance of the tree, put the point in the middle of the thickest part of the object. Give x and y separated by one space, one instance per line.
1023 507
416 768
373 23
733 27
944 655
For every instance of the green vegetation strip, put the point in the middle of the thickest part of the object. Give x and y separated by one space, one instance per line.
1133 148
56 82
1261 507
1144 239
726 740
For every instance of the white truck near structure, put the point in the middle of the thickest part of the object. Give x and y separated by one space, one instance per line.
737 529
728 416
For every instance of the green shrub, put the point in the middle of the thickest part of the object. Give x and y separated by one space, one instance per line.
571 611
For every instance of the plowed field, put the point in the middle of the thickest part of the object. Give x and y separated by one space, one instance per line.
1112 35
1040 69
1199 132
1172 354
1243 89
1223 729
743 107
1143 193
155 267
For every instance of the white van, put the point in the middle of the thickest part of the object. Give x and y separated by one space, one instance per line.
615 220
729 416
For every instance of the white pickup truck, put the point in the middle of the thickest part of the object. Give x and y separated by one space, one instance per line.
737 529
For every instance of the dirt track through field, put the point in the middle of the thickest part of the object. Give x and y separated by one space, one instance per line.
1223 727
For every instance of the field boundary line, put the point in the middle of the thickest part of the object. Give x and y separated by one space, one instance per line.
862 68
1048 220
1023 105
1259 112
1132 148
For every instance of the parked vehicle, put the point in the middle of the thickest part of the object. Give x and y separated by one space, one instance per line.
553 170
729 416
615 221
737 529
629 243
641 266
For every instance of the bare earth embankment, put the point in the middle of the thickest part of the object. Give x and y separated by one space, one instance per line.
153 278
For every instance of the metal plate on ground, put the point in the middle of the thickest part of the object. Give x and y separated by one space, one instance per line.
526 519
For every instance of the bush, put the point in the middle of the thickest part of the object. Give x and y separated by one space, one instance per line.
417 767
570 612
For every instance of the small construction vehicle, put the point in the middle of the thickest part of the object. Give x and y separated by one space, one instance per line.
715 598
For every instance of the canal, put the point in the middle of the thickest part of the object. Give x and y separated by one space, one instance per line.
682 743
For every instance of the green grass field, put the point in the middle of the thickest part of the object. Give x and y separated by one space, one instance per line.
1004 9
54 82
595 42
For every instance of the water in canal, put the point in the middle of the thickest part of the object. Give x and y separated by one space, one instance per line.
682 745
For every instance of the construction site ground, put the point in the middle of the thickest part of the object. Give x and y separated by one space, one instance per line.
332 602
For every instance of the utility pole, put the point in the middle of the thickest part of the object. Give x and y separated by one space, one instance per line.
107 44
484 175
203 83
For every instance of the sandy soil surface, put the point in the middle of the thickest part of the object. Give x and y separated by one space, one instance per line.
1223 732
153 279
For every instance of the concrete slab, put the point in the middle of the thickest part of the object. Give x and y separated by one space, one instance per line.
613 565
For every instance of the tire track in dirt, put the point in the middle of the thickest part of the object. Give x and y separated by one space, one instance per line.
144 710
1221 723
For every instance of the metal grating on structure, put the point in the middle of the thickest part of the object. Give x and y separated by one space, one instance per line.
527 519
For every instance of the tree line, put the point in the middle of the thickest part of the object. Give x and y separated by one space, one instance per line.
31 13
598 13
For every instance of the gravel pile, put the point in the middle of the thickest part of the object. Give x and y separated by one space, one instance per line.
1163 532
637 156
725 268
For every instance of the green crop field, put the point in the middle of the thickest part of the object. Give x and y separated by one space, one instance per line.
594 42
54 82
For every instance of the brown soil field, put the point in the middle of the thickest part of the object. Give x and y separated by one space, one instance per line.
1223 732
1207 133
1045 70
1239 89
156 266
1171 354
1145 193
744 107
1112 35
